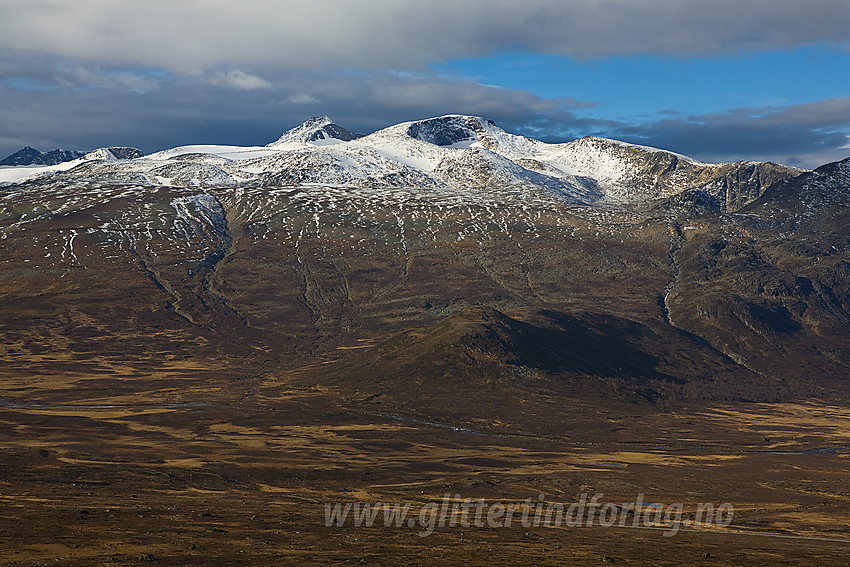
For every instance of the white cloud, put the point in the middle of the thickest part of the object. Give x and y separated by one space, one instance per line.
240 81
301 98
195 35
174 114
805 135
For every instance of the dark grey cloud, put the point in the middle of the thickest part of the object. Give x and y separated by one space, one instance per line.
161 111
805 135
216 35
153 111
44 106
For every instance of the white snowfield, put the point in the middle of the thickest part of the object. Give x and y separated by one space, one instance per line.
12 174
226 152
448 154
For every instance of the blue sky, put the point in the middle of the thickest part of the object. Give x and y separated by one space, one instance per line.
719 80
641 86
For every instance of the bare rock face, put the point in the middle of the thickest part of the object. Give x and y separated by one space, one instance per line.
125 152
744 182
446 130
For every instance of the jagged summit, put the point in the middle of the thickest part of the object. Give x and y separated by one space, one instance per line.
317 131
31 156
450 130
114 153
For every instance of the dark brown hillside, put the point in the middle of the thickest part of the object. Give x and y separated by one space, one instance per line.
538 357
771 287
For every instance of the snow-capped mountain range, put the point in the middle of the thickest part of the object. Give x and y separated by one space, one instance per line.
447 154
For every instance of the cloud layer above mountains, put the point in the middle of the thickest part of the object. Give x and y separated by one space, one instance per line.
197 35
158 73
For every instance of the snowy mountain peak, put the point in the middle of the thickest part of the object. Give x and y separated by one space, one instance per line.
31 156
113 154
317 131
451 130
318 121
